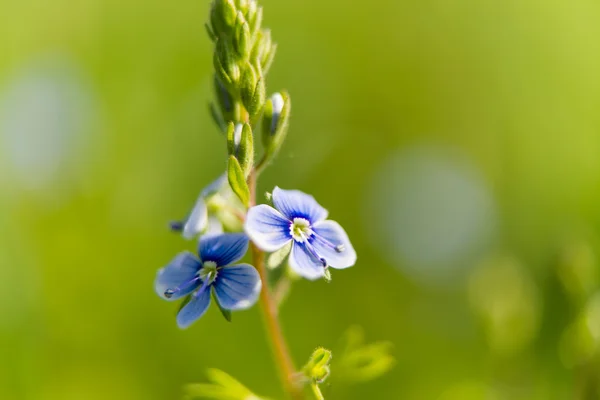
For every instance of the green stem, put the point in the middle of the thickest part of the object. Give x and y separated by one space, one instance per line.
269 310
317 391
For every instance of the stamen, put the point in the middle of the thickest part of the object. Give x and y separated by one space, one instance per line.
313 252
338 248
172 291
176 226
205 284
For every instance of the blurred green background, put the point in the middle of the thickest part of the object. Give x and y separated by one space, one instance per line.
456 141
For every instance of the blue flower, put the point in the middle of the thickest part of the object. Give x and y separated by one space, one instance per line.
236 287
297 218
199 220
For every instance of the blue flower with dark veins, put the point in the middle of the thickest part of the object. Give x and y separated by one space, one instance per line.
235 287
317 243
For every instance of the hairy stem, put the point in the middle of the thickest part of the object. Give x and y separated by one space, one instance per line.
269 310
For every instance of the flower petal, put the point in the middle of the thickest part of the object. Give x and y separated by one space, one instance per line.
297 204
197 220
223 249
304 263
237 287
267 228
214 186
194 309
181 270
329 234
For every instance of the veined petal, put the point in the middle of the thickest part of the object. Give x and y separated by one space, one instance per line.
179 272
237 287
329 235
196 308
267 228
197 220
223 249
304 263
297 204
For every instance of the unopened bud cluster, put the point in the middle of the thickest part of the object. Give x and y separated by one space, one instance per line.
242 56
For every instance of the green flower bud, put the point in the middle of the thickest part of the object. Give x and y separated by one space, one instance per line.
240 144
317 367
243 5
243 39
253 90
225 66
222 17
254 18
275 122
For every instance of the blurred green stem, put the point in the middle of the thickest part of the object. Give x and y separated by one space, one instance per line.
269 309
317 391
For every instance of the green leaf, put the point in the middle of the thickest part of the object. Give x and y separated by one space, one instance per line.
226 313
237 180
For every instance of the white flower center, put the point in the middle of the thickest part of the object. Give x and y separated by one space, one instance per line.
209 271
300 230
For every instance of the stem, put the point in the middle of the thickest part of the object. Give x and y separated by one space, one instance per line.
317 391
269 310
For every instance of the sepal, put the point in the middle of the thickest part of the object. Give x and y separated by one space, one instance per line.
237 180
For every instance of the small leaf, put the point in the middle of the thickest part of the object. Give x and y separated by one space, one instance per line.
237 180
226 313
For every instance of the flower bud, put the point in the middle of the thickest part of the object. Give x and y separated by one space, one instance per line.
243 5
275 122
225 66
253 91
242 36
240 144
254 17
317 367
222 17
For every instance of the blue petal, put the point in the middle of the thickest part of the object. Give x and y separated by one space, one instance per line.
237 287
197 220
267 228
304 263
223 249
177 273
297 204
194 309
329 234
